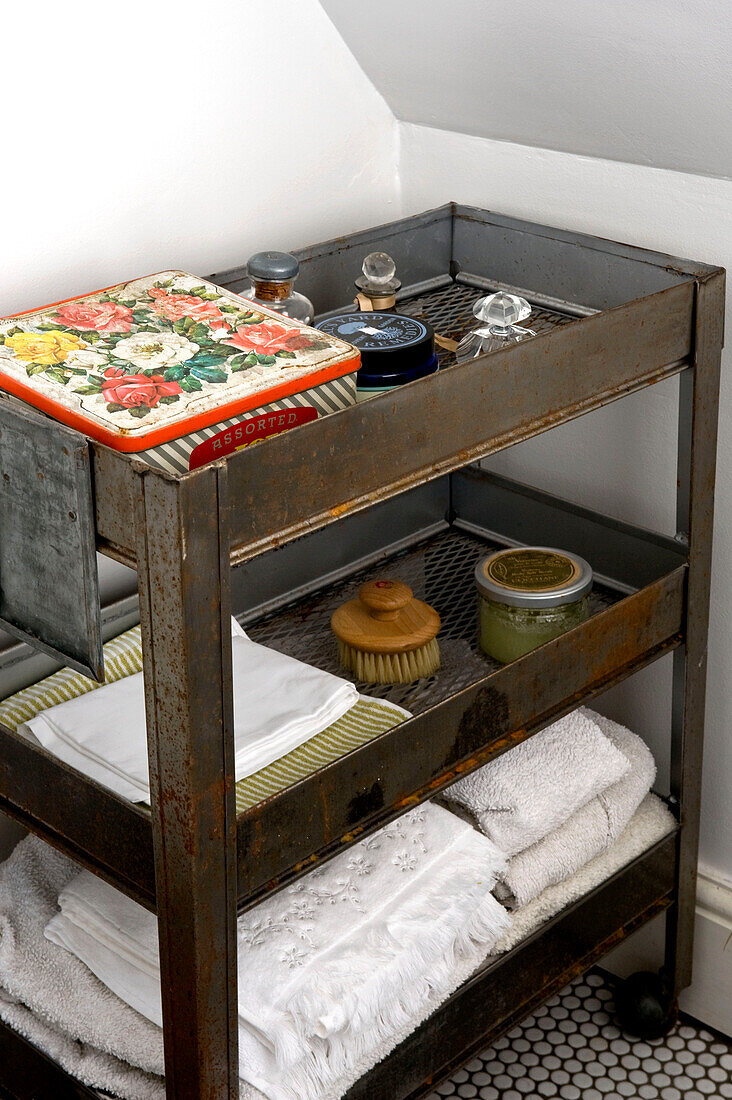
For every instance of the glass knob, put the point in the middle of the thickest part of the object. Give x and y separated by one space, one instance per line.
379 269
501 310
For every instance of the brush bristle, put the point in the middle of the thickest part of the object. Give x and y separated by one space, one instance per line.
391 668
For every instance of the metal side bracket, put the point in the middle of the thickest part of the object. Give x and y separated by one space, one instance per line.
49 587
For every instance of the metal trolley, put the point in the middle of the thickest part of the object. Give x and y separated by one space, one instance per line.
281 532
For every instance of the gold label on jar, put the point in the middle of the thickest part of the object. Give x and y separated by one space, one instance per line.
531 570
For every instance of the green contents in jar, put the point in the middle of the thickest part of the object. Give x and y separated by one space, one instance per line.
529 596
509 632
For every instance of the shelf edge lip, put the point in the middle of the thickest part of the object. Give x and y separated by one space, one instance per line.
244 551
64 821
116 476
689 269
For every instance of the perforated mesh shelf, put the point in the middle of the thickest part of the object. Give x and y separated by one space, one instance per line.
438 570
449 310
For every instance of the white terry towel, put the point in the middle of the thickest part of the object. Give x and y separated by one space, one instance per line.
587 832
332 967
533 788
72 1010
650 823
49 996
279 703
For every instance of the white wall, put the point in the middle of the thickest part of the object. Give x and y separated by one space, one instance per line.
638 82
178 136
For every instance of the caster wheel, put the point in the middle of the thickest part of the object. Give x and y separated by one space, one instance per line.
644 1006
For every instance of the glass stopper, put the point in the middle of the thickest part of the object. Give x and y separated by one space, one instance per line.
379 269
501 311
379 276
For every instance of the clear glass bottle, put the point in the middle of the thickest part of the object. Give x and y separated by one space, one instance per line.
272 275
498 314
377 286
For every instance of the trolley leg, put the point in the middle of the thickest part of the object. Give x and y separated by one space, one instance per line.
185 604
695 506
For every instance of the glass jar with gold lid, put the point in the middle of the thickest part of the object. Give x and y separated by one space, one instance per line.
528 596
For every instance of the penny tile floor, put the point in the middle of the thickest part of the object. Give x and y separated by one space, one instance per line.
571 1049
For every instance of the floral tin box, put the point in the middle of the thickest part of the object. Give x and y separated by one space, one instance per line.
174 368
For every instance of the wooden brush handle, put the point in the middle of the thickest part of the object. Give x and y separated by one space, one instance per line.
384 599
385 618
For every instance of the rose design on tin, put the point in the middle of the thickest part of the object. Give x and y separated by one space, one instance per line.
174 307
95 316
122 354
268 338
136 391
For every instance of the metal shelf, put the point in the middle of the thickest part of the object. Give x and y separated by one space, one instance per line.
496 997
620 298
472 710
438 570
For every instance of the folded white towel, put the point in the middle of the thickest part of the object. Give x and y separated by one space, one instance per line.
333 966
279 703
588 831
533 788
650 823
52 998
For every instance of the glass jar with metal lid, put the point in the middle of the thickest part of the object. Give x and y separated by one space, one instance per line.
272 276
528 596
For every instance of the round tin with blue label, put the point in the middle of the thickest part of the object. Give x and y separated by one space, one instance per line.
395 349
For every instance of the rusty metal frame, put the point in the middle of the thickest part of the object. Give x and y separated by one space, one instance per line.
190 859
182 538
697 451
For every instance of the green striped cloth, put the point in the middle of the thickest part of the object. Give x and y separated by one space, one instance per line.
123 656
364 721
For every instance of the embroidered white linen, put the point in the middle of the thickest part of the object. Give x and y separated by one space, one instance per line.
588 832
333 966
529 791
279 703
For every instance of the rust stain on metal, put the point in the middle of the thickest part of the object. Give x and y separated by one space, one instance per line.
495 748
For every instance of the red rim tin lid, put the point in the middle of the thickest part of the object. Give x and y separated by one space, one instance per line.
149 360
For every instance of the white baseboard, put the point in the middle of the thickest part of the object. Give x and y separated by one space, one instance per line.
709 997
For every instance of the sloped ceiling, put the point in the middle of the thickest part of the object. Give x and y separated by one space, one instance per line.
647 83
